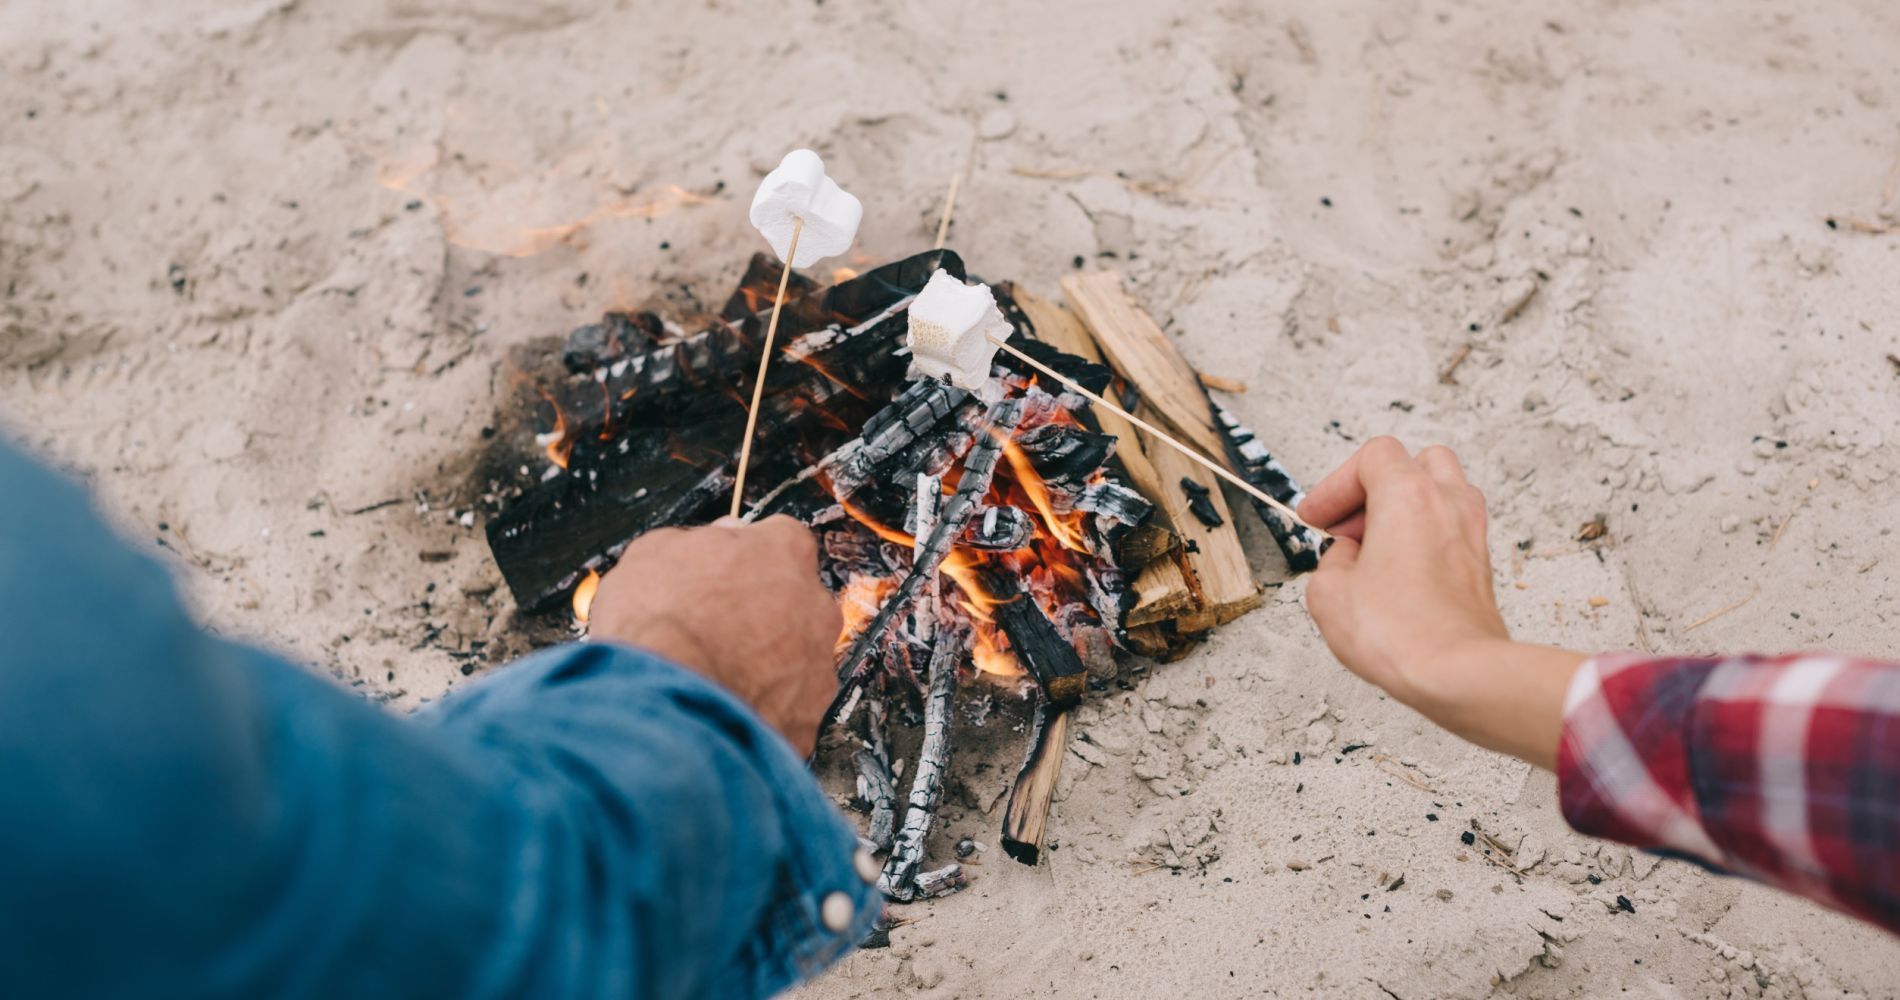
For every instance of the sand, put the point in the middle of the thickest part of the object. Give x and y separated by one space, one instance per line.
262 264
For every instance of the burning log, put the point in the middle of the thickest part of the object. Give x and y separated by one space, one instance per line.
1040 649
977 470
877 784
673 464
1026 819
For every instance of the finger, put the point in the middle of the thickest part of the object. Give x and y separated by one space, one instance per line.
792 533
1343 491
1443 466
1341 556
1353 527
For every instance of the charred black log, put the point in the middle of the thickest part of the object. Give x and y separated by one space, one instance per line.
1065 457
1251 459
1041 650
661 447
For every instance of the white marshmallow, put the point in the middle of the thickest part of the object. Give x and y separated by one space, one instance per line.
799 189
950 327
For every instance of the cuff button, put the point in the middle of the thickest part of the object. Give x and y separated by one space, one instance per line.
836 911
866 865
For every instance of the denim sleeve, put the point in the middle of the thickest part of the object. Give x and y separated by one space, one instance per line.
182 816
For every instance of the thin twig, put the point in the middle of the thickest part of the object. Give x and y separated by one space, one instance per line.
1713 615
1448 376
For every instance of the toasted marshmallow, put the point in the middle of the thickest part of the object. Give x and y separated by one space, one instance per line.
951 324
798 189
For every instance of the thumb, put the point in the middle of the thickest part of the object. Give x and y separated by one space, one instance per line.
1341 556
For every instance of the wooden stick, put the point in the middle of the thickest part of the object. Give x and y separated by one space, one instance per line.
1209 464
765 362
949 205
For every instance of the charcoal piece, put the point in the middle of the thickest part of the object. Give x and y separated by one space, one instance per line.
1094 377
1201 503
759 284
598 345
1064 456
998 529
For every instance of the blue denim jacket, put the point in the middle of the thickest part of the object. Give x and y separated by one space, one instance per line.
181 816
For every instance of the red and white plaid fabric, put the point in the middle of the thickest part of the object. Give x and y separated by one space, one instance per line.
1784 769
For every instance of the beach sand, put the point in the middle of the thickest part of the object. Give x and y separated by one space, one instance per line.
262 265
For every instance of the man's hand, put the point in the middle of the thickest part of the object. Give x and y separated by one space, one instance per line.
740 604
1405 600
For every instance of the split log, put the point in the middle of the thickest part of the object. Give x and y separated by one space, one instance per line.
1041 650
1212 560
1213 565
1134 344
1026 820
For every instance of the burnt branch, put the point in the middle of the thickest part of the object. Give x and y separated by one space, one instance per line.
1042 651
1256 464
926 786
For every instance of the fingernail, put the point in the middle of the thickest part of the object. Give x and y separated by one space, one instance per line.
728 522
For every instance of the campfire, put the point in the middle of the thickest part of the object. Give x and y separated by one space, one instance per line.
1012 539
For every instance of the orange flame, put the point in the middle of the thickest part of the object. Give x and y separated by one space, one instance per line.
860 600
1067 529
584 596
558 442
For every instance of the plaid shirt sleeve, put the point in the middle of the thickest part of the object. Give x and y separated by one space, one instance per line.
1785 769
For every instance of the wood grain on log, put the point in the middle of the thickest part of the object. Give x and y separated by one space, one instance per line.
1026 820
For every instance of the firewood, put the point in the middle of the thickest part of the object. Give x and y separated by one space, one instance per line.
1214 569
1134 344
1041 650
1025 821
926 785
978 469
1215 564
1060 327
1256 464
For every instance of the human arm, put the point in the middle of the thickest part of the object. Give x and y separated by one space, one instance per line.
1782 769
184 816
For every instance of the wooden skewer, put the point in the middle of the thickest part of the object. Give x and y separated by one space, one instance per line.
765 362
949 205
1217 469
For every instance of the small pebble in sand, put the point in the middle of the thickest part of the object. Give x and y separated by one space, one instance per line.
1443 894
1730 523
1599 602
1297 865
998 124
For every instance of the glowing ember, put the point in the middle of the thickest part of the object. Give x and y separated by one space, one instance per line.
584 596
